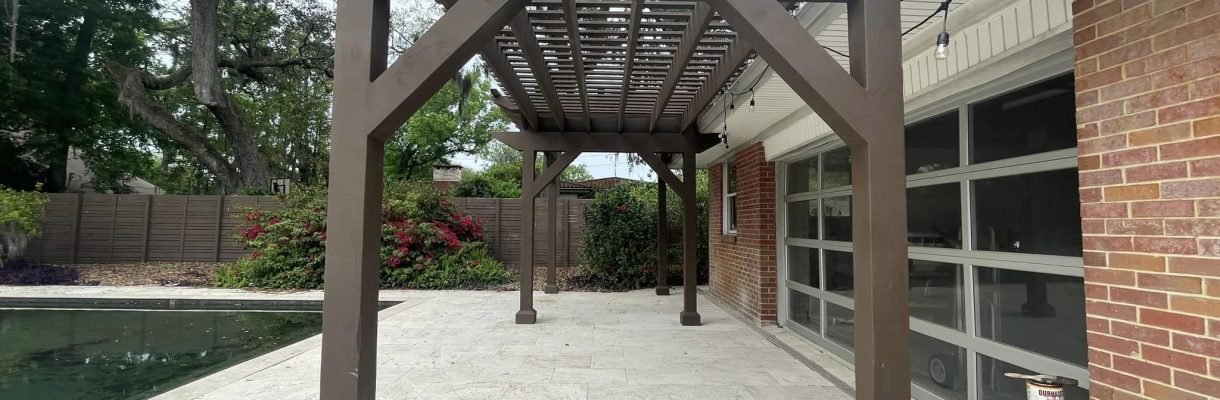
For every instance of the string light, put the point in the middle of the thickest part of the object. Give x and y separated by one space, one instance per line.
751 99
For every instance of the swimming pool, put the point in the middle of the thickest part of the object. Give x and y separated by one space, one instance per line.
132 354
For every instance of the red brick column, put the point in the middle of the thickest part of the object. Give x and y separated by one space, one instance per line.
1148 115
743 267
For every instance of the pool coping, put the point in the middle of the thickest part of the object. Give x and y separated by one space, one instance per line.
177 298
169 304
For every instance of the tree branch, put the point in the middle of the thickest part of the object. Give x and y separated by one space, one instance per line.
134 95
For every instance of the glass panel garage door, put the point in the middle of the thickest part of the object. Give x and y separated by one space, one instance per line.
995 246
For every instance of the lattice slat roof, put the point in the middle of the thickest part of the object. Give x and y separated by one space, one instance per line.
614 65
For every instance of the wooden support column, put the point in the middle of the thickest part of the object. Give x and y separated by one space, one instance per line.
865 109
525 268
552 197
690 224
879 224
371 101
662 241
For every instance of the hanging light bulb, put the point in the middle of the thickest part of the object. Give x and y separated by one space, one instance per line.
751 100
942 40
942 46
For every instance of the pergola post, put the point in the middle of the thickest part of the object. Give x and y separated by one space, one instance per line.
662 240
690 312
371 101
552 210
525 268
864 108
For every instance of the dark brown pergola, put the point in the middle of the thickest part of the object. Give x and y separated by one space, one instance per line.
615 76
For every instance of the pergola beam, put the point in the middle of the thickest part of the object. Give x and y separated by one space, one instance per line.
608 142
431 61
805 66
700 17
633 34
569 8
499 65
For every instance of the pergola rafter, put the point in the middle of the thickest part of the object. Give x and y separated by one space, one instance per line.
633 34
523 31
700 18
574 42
635 75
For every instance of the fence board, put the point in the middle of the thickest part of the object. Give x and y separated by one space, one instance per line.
108 228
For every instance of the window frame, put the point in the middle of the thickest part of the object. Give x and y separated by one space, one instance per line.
729 201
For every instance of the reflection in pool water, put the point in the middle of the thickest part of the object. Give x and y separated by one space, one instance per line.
119 354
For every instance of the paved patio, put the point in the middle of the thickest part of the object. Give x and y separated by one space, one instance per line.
464 345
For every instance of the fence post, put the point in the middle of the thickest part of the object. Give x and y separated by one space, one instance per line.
114 220
499 222
220 222
80 203
186 212
567 232
148 207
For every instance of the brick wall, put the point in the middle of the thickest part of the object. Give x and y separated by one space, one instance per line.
743 267
1148 96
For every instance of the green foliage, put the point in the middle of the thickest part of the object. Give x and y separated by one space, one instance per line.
20 219
425 243
57 94
620 239
475 186
621 235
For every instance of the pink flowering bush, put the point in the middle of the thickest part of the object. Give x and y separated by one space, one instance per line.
426 243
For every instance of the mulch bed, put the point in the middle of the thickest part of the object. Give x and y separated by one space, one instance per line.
135 274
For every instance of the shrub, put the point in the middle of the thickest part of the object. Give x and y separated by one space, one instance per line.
620 240
626 239
20 219
425 243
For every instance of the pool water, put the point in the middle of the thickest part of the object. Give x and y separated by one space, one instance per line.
124 354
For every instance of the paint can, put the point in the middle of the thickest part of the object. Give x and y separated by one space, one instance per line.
1043 387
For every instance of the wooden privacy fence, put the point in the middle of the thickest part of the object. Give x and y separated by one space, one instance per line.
120 228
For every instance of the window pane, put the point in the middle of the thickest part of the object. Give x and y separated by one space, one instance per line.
803 220
1038 312
841 325
732 200
938 367
993 385
732 177
803 265
934 216
836 168
803 176
805 311
932 144
936 292
1033 213
1036 119
839 273
836 214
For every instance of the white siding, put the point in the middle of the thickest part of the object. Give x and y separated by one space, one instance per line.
1004 34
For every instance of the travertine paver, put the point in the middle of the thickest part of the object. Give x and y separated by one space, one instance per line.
464 345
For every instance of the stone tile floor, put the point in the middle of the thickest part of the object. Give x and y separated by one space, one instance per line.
464 345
